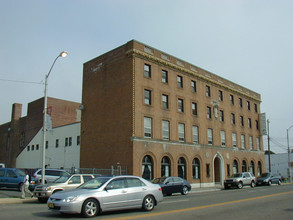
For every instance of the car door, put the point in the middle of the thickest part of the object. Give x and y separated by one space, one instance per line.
246 179
11 179
115 195
168 185
136 191
178 184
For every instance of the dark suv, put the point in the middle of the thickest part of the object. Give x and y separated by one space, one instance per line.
239 180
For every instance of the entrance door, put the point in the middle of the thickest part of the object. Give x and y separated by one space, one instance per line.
217 170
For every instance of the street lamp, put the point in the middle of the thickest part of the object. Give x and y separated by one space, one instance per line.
62 54
289 162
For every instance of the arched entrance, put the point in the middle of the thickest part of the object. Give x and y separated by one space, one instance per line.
218 169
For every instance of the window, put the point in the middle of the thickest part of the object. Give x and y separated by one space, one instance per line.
182 168
165 167
116 184
57 143
257 144
196 168
180 105
222 115
232 99
259 168
75 180
78 140
134 182
248 105
181 132
193 86
220 95
33 147
210 136
250 143
147 70
256 124
165 102
234 139
180 81
241 121
223 138
37 147
47 144
164 76
208 170
235 166
194 108
166 130
208 91
28 148
147 127
244 166
255 108
242 141
147 97
209 112
195 134
240 102
233 118
249 123
70 141
66 142
251 167
147 168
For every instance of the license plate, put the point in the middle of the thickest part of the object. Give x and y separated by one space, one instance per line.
229 184
51 205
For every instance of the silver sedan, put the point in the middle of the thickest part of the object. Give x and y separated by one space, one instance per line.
107 194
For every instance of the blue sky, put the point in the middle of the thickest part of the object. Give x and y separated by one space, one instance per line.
249 42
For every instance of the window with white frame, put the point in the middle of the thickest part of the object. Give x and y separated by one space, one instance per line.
165 102
166 130
242 137
250 143
193 86
195 134
147 70
210 136
223 138
147 127
257 143
234 139
181 132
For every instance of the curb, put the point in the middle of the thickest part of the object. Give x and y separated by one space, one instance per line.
4 201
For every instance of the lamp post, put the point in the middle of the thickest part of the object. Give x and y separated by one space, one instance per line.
289 162
62 54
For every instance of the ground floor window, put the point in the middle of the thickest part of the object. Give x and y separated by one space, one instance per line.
147 168
182 168
251 168
244 167
259 168
196 168
165 167
235 166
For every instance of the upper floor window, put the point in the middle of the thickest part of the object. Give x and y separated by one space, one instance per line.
241 121
147 97
208 91
194 108
195 134
240 102
165 102
164 76
210 136
255 108
232 99
256 124
181 132
249 123
209 112
180 81
147 70
222 115
57 143
223 138
147 127
234 140
78 140
233 118
248 105
220 95
180 105
242 141
166 130
250 143
193 86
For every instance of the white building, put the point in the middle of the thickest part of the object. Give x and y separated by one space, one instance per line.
62 149
279 164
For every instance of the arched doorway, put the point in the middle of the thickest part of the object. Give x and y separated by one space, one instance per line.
217 170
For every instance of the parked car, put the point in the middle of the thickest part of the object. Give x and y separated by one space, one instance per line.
239 180
268 179
107 194
43 192
11 178
50 175
2 165
173 184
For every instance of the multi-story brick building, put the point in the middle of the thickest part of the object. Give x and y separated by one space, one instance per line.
16 134
158 115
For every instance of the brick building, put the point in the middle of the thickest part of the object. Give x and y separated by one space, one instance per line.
16 134
158 115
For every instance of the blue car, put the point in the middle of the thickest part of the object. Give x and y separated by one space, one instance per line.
173 184
11 178
268 179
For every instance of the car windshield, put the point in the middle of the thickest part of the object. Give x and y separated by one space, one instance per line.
236 175
62 179
20 172
158 180
265 175
94 183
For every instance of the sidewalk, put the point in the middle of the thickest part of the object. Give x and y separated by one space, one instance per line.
13 197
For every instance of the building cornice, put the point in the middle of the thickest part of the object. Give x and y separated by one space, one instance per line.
138 53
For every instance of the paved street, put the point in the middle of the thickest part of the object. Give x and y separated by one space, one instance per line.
273 202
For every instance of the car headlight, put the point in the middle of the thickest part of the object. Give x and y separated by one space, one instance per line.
47 188
266 180
70 199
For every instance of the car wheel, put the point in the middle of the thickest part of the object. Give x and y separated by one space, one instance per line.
90 208
252 184
240 185
148 203
184 190
42 200
270 183
226 187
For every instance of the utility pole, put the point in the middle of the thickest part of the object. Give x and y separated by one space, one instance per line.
269 148
289 152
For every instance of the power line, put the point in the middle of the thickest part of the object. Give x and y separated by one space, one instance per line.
19 81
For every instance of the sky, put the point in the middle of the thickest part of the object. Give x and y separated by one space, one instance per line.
249 42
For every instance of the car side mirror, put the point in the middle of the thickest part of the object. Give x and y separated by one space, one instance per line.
70 182
166 183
